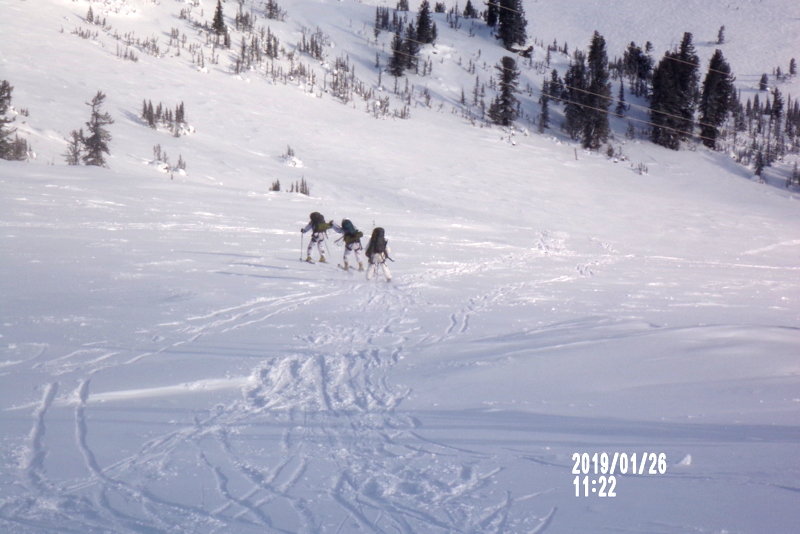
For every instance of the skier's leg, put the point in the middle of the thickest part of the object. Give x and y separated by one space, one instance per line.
356 250
386 272
346 254
320 243
372 267
310 246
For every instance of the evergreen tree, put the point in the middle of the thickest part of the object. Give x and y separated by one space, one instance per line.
511 23
763 84
556 86
721 35
598 95
425 26
411 47
492 9
15 149
504 109
397 63
792 67
638 66
688 80
621 106
273 10
218 25
674 95
74 147
469 11
96 143
715 101
5 131
544 109
665 103
776 117
759 163
575 87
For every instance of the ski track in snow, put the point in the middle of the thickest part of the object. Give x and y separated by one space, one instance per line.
328 399
344 439
313 437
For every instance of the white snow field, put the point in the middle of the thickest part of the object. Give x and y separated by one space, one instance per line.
167 364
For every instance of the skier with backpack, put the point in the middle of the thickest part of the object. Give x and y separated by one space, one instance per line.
377 254
352 242
318 227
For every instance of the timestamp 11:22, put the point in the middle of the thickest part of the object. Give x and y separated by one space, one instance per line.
602 486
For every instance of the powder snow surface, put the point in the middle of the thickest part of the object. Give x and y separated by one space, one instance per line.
167 364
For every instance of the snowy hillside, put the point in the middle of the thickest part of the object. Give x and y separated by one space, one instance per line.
167 364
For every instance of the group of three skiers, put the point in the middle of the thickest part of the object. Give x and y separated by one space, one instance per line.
377 249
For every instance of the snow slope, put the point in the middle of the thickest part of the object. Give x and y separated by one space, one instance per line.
168 365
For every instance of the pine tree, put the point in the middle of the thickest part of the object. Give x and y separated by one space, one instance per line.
575 87
776 116
674 95
10 149
638 66
759 163
556 86
715 101
425 24
74 147
397 63
218 25
763 84
512 23
273 10
492 9
665 103
96 143
544 109
504 109
792 67
598 95
5 131
721 35
621 106
411 47
688 80
469 11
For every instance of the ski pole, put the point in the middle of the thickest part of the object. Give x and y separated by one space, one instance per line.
301 246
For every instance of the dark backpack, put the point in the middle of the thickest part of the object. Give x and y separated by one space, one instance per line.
351 234
347 226
377 243
318 223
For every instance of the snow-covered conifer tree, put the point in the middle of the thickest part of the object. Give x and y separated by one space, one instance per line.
716 98
397 63
425 25
504 109
96 142
597 97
